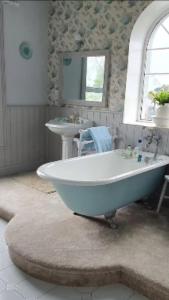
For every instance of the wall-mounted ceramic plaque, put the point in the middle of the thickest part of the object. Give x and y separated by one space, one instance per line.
25 50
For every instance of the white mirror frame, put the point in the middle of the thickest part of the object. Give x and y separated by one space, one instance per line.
78 102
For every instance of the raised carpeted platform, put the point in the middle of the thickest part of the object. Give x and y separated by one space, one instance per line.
47 241
30 179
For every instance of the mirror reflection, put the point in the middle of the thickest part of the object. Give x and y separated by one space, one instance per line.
84 78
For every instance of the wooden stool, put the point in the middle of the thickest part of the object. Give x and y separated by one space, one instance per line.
163 196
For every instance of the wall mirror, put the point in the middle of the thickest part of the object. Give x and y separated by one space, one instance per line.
84 78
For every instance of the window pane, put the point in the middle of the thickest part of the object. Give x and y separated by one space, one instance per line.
91 96
147 110
151 82
157 66
166 23
157 61
159 39
95 71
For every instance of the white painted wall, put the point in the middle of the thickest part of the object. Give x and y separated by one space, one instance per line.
22 129
2 81
26 80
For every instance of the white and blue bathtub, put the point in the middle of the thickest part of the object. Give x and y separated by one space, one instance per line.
101 183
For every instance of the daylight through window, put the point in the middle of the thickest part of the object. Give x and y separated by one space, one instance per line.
156 72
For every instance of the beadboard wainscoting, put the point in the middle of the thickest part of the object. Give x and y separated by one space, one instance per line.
25 139
127 134
53 141
1 128
28 143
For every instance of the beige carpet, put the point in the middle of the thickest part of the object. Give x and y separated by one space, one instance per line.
16 197
32 180
47 241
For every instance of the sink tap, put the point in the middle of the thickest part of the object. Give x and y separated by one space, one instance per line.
153 138
157 140
74 118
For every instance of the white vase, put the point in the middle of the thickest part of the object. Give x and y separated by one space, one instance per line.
162 111
161 119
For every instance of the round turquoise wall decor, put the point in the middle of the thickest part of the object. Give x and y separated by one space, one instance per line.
25 50
67 61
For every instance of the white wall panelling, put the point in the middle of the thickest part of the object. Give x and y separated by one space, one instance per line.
128 134
25 139
53 141
29 143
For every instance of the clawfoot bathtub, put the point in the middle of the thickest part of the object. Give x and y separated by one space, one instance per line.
101 183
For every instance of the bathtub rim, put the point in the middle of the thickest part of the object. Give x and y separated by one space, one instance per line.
148 167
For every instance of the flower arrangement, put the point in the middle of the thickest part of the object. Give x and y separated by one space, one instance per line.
160 95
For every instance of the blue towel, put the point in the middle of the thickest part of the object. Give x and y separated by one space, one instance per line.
85 136
102 138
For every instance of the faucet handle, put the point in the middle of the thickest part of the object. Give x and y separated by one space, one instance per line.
157 138
148 139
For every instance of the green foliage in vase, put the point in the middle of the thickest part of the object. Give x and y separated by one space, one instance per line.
160 96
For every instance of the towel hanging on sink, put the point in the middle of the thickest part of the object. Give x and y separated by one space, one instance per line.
102 139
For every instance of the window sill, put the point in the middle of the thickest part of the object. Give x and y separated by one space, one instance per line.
141 123
144 124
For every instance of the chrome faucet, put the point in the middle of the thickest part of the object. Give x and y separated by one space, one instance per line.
153 138
74 118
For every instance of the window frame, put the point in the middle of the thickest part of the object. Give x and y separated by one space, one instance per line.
144 64
142 30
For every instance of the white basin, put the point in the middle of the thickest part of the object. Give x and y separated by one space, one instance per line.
63 127
67 130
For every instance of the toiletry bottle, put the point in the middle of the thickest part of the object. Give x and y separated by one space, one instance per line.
138 149
139 158
129 152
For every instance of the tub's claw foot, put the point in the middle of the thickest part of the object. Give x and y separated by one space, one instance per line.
109 217
114 225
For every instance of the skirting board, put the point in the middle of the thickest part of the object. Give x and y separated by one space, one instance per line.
19 168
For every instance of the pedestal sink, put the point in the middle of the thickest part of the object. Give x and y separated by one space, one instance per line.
67 130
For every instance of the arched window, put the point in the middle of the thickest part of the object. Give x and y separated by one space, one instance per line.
156 70
148 62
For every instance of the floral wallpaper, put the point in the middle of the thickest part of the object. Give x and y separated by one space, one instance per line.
102 25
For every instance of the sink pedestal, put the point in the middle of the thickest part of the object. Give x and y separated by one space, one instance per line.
67 131
67 147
